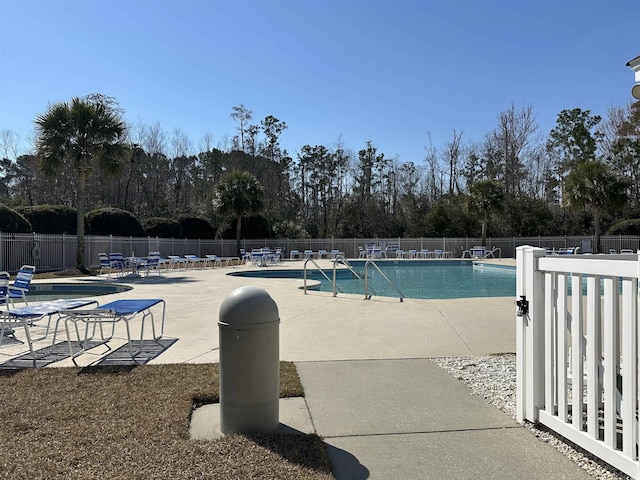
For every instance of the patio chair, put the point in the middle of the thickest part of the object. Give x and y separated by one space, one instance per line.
152 263
273 258
244 255
111 313
20 285
105 264
28 316
117 263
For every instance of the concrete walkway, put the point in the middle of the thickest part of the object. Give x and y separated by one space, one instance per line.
384 409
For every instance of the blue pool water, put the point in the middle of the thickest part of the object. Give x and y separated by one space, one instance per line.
416 279
51 291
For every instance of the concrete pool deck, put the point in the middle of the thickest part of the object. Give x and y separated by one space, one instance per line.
318 326
383 409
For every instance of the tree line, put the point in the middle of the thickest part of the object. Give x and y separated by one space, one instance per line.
581 177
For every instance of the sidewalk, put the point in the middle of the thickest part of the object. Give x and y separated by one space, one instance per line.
409 419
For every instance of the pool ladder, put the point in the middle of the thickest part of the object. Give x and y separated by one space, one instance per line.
343 261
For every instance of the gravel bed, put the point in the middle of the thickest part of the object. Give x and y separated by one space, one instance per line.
494 378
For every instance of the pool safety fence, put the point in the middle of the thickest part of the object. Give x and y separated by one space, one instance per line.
577 350
49 252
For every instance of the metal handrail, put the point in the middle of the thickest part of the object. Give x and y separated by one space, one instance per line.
304 273
345 262
366 281
340 259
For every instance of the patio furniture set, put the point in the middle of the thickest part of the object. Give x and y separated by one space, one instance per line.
84 327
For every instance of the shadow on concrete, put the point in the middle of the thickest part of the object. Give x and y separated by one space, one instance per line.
47 355
149 349
345 465
140 280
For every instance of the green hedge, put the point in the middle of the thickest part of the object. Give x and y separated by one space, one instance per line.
195 227
625 227
51 218
13 222
114 221
162 227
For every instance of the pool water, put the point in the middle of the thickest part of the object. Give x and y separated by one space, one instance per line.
416 279
51 291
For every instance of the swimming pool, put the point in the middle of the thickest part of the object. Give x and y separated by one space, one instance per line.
416 279
50 291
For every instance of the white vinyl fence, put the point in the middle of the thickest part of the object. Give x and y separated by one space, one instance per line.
577 350
58 252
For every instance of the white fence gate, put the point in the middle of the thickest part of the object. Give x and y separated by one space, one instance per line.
577 350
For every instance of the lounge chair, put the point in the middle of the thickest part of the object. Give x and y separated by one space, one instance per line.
197 262
28 315
151 263
176 261
20 285
214 260
112 313
335 253
294 254
491 253
392 247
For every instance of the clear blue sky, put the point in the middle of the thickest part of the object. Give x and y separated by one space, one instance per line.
386 71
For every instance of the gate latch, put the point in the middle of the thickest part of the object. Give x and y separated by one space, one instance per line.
523 306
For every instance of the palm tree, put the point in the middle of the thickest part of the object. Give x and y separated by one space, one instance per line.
80 134
594 186
485 197
239 194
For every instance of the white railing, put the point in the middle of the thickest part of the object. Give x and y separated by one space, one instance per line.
577 350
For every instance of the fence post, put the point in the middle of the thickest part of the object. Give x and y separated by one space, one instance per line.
529 334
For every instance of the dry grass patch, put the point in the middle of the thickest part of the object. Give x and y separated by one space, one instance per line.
72 423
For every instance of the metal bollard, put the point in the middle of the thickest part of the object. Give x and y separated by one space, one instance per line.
248 327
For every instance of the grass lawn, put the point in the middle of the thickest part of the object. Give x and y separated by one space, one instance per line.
133 423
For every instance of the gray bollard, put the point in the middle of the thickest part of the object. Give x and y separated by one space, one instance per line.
248 327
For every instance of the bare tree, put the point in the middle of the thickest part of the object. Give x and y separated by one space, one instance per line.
242 116
180 143
435 179
206 142
9 144
451 157
509 146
